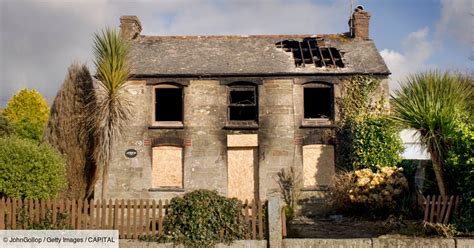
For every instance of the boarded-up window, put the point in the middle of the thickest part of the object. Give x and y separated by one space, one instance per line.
167 167
242 170
242 164
318 165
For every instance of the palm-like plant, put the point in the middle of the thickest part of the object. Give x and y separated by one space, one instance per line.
112 108
431 103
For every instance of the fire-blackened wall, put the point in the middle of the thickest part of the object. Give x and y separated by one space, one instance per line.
203 136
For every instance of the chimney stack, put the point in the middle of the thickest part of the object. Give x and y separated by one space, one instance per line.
359 23
130 27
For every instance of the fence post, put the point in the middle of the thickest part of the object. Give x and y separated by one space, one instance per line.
2 213
275 236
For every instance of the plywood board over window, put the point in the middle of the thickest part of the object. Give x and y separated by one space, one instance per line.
318 165
242 166
167 167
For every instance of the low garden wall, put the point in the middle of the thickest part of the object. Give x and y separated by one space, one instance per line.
328 243
133 243
380 243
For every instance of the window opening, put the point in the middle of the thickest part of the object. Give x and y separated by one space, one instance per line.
243 103
168 104
318 102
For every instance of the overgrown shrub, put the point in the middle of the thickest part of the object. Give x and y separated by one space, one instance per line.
203 218
367 137
27 112
67 130
460 173
375 142
30 170
357 92
364 190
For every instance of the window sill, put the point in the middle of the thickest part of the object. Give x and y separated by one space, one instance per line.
166 189
248 125
167 125
317 123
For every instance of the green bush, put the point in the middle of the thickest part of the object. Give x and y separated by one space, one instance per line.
203 218
375 142
27 112
367 137
460 173
30 170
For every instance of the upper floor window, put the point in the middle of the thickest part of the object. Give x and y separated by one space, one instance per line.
242 103
168 104
318 101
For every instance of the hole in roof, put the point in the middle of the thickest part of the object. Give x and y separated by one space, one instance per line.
312 51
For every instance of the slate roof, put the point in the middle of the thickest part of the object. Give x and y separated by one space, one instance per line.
244 55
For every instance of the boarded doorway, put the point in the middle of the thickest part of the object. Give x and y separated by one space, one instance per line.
242 166
318 165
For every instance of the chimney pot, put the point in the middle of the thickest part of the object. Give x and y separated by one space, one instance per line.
359 23
130 27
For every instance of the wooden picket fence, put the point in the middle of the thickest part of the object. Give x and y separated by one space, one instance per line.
439 209
133 218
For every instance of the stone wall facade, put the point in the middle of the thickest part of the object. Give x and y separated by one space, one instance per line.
280 136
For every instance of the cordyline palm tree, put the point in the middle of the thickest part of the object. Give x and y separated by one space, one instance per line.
432 103
112 109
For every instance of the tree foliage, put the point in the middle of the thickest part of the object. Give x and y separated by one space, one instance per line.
112 109
66 129
432 103
6 128
29 169
27 112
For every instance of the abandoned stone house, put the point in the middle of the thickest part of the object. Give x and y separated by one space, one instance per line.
228 113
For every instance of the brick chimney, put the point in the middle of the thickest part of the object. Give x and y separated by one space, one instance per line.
359 23
130 27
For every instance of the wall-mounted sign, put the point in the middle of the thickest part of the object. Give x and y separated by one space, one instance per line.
131 153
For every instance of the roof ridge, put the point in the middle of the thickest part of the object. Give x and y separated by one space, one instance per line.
240 36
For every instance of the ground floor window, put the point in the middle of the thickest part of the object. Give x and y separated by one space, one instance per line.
167 167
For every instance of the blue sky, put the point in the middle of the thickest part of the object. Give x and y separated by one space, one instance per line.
40 39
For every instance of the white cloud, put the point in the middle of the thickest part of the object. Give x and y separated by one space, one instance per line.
457 20
415 52
39 39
